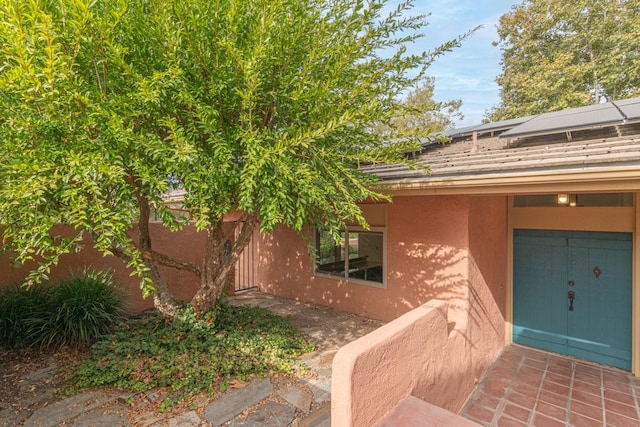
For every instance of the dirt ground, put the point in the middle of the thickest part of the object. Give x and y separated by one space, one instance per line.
28 379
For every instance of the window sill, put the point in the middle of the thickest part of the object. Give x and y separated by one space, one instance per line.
368 283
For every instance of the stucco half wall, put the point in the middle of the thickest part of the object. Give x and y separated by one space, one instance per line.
447 248
414 355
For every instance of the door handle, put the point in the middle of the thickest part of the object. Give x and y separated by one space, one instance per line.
572 296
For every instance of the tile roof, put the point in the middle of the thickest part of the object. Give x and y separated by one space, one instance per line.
496 156
604 137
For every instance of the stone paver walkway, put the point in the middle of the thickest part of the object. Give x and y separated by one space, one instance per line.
299 401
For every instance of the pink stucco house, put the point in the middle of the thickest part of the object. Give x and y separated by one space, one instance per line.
524 231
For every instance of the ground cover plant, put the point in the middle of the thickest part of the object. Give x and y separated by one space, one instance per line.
192 355
73 312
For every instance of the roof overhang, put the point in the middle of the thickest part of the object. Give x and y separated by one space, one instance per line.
595 179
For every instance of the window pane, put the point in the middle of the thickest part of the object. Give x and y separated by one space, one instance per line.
610 199
536 200
365 255
330 256
575 200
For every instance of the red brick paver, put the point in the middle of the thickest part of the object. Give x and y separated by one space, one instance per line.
529 387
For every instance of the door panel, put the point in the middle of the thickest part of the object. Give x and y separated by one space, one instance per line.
539 297
550 264
600 324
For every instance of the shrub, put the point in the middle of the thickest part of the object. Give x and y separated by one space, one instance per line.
21 308
85 307
190 355
75 312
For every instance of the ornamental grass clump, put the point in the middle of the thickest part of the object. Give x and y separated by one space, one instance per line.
192 355
86 306
21 308
74 312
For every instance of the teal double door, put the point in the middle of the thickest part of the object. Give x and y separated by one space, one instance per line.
572 293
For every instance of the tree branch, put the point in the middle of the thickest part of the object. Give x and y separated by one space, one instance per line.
168 261
161 259
248 226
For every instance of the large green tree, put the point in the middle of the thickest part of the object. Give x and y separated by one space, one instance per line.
259 106
564 54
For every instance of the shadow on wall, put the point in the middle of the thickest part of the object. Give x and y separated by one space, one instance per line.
417 273
430 271
438 358
482 301
438 272
282 256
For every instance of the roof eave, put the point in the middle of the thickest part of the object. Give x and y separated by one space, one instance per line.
621 178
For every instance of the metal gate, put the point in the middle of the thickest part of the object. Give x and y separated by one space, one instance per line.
245 270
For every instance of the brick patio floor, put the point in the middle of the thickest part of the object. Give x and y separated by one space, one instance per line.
528 387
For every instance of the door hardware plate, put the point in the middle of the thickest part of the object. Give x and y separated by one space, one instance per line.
572 296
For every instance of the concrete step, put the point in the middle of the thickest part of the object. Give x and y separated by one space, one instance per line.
414 412
320 417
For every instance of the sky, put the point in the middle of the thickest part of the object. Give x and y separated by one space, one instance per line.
468 72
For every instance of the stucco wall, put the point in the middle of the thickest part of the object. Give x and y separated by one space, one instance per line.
414 355
430 248
447 248
186 244
488 234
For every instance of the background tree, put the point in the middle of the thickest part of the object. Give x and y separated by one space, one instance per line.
564 54
422 112
259 106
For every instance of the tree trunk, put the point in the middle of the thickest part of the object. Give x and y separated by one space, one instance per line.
163 301
218 261
217 264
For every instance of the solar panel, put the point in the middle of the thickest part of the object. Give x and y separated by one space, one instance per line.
503 124
630 108
567 120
